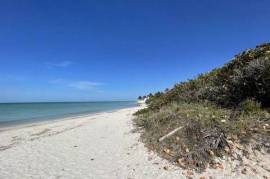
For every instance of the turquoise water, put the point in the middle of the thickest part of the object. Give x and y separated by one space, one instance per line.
19 113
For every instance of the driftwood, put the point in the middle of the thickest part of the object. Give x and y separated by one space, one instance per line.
169 134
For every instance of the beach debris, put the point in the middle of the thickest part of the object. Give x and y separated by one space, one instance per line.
6 147
244 171
265 177
189 173
227 149
232 137
267 169
240 147
219 165
41 132
92 159
254 170
170 134
166 168
75 146
230 142
179 161
211 153
202 178
216 165
167 151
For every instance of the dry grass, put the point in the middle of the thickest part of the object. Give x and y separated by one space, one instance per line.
205 134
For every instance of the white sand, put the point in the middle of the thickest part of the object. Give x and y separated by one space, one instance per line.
97 146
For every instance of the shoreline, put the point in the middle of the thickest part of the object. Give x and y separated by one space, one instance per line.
32 123
103 145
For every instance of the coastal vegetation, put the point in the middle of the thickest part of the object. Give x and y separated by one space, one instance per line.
214 114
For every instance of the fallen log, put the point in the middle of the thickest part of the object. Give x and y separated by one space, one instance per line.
169 134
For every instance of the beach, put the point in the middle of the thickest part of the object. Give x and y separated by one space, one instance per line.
95 146
102 145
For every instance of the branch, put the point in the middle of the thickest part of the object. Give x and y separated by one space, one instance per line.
169 134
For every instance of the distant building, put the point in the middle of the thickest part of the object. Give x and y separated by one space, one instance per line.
142 101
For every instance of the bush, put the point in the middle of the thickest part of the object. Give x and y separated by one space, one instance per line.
246 76
232 100
250 106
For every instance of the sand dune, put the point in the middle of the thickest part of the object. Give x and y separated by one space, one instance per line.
96 146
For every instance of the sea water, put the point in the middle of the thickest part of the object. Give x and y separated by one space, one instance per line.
20 113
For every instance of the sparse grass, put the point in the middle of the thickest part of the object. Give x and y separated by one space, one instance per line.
206 129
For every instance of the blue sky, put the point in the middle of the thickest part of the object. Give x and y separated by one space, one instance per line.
85 50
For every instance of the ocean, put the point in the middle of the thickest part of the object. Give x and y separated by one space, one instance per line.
24 113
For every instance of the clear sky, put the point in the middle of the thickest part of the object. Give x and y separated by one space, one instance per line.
63 50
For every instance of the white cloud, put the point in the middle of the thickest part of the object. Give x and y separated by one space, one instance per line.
62 64
84 85
80 85
57 81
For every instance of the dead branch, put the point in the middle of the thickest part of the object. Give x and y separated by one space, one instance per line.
169 134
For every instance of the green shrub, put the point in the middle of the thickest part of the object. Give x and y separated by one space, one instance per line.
232 100
246 76
250 106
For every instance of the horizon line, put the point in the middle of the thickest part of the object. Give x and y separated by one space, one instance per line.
97 101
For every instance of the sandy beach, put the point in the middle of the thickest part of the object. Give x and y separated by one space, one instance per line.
96 146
